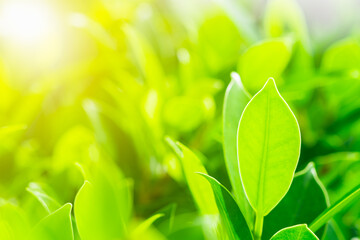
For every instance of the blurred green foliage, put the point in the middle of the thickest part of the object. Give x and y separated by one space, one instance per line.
86 117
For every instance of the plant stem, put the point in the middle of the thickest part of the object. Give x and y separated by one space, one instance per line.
259 220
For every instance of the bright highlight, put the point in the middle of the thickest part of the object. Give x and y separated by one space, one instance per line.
25 22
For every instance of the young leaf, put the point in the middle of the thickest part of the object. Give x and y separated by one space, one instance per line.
263 60
230 213
199 187
344 202
145 225
103 204
268 148
56 226
298 232
306 199
236 98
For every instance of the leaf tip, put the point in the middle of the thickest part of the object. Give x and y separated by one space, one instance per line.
68 206
270 82
236 78
175 146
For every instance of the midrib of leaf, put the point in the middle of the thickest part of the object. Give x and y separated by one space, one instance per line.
300 232
263 164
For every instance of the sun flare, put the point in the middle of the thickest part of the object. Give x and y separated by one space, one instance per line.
26 22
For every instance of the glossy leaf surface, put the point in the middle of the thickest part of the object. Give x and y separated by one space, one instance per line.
231 216
268 148
298 232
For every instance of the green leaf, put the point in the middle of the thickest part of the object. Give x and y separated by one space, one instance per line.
306 199
230 213
344 202
268 148
265 59
236 98
140 229
103 204
199 187
298 232
219 42
49 203
56 226
184 113
78 144
5 231
343 55
166 223
333 232
13 222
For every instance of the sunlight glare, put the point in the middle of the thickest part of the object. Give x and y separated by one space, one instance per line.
25 22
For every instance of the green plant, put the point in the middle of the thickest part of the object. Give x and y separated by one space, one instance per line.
84 112
285 205
102 210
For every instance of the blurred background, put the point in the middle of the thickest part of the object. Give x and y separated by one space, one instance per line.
82 81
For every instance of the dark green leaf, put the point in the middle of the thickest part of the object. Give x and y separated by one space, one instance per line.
306 199
333 232
344 202
230 213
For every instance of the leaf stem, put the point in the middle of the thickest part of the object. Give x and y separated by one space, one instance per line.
259 220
